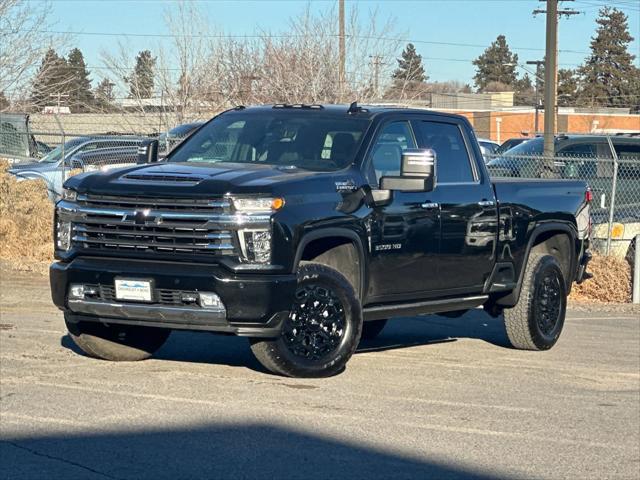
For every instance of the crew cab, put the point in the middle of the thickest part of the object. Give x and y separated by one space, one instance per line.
307 227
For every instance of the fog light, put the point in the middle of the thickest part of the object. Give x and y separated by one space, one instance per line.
63 235
209 300
76 291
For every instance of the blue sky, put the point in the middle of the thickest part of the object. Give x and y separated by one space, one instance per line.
457 21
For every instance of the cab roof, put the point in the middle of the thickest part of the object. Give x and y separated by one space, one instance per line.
359 110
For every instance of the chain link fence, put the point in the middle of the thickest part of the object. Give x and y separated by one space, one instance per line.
58 152
614 181
54 154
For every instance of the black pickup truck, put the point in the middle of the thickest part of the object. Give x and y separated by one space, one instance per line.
306 227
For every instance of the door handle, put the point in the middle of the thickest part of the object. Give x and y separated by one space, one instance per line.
429 205
486 203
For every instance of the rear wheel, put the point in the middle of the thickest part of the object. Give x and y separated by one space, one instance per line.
372 329
536 321
118 343
322 330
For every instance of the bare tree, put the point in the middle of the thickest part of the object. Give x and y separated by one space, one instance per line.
203 70
23 42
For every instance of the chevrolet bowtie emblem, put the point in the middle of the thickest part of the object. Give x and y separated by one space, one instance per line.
142 217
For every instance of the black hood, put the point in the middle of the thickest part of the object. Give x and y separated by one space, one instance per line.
183 179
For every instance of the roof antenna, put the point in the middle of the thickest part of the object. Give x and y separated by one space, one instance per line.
353 108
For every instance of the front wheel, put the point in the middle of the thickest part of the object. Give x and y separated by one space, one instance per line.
323 328
536 321
118 343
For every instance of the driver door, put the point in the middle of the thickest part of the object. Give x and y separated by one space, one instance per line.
405 234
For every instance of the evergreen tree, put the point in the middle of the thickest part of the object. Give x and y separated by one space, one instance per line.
496 64
410 68
141 82
525 92
104 96
567 87
80 94
608 76
51 83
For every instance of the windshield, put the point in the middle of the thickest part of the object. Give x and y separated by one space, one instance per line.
535 146
55 154
306 140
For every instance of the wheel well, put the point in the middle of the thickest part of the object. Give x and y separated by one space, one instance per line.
338 253
559 245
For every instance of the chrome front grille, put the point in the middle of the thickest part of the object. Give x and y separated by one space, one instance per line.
139 224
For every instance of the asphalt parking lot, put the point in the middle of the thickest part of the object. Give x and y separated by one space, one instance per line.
430 398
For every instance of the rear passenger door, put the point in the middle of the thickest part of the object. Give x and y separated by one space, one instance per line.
468 211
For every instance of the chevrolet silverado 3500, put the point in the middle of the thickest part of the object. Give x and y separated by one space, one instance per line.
306 227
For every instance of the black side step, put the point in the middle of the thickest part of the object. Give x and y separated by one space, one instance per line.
422 308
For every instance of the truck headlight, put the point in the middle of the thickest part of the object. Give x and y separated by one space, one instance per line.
262 204
69 195
63 234
255 245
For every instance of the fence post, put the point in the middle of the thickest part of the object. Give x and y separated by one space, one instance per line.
62 142
636 270
614 185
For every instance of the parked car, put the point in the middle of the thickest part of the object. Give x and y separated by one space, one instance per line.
624 228
50 167
105 158
305 228
510 143
168 140
488 148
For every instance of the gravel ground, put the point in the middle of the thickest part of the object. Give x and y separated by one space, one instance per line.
431 398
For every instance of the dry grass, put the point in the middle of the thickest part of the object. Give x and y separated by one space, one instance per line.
611 282
26 219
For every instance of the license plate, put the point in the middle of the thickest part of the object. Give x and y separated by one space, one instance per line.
136 290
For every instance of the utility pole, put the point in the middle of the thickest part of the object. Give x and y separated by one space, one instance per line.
550 80
376 60
538 64
341 49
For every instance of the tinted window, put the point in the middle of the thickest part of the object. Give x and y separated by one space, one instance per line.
578 150
386 153
628 151
276 138
535 146
452 158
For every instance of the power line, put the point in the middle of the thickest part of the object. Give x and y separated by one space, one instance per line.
258 36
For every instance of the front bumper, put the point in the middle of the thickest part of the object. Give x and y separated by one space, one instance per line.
254 304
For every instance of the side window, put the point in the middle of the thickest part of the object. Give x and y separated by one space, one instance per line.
580 150
628 151
452 159
386 153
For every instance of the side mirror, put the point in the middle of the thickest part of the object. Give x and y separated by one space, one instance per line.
148 152
417 172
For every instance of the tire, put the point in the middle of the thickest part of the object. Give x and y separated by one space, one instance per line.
536 321
117 343
308 347
372 329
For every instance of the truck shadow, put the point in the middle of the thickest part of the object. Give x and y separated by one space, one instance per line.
398 334
433 329
221 450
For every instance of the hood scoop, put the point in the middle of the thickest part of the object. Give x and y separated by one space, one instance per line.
164 177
